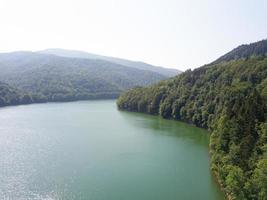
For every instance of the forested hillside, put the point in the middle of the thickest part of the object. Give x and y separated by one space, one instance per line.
229 98
134 64
12 96
245 51
54 78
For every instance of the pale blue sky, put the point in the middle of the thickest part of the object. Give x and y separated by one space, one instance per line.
173 33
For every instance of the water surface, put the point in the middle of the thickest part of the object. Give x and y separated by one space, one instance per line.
91 151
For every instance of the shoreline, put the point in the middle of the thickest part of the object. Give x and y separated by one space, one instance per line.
45 102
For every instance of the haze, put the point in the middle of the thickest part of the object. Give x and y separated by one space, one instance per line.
179 34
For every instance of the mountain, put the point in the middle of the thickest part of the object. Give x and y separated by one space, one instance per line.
229 98
134 64
56 78
245 51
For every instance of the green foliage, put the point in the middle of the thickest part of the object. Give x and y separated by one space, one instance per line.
235 182
229 99
245 51
54 78
11 96
258 183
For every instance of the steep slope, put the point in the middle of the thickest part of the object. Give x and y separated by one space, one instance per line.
134 64
228 98
245 51
54 78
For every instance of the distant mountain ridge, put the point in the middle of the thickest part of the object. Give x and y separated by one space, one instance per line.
135 64
49 77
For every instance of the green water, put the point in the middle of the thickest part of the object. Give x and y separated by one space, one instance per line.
89 150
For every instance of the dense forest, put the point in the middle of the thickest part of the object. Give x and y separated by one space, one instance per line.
12 96
46 77
228 97
245 51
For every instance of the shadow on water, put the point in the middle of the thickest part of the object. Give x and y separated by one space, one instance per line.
166 127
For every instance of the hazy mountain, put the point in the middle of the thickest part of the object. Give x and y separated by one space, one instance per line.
245 51
56 78
135 64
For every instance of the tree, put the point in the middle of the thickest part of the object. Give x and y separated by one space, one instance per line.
235 181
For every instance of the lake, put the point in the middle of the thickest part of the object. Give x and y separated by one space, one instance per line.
89 150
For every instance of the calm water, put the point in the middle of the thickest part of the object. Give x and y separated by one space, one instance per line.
90 150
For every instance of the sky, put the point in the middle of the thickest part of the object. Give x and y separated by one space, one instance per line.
179 34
